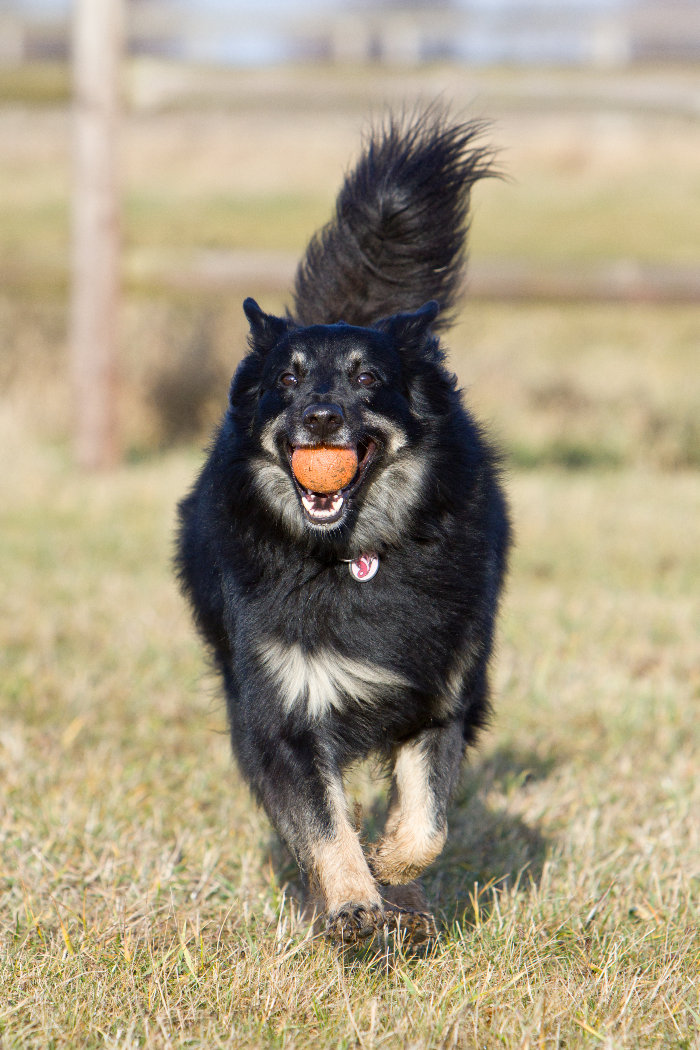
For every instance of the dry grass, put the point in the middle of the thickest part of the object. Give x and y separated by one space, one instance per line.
580 385
564 385
144 900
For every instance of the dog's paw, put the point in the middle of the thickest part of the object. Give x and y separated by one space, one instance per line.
402 856
415 926
354 922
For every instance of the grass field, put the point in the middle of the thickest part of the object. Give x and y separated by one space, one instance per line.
144 901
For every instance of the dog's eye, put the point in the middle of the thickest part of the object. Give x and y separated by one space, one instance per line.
366 379
288 379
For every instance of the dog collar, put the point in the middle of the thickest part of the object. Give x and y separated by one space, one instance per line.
364 567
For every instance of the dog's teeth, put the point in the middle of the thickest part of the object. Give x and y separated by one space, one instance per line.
321 513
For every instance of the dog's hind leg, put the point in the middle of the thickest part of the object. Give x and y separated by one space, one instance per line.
425 772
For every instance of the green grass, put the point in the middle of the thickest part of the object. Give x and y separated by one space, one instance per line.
144 899
35 84
585 216
257 222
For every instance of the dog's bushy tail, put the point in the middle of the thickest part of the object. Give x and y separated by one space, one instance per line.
398 237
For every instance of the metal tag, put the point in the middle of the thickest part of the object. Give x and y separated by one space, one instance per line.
364 568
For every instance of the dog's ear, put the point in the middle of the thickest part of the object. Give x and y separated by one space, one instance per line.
408 331
266 330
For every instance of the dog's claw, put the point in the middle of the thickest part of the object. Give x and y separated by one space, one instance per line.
416 926
354 922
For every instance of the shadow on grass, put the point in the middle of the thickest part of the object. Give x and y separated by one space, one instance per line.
486 845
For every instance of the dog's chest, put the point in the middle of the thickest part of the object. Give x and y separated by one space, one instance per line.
329 642
323 679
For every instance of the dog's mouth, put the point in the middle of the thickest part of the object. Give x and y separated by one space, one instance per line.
328 508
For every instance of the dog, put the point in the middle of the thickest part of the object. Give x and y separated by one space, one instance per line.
359 620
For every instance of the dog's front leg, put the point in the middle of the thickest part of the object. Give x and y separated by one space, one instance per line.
425 772
339 871
302 792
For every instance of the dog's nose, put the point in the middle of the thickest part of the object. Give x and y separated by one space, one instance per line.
323 419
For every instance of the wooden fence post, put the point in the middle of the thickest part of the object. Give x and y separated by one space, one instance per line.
97 45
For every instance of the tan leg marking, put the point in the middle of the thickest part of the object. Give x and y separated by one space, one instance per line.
338 865
411 840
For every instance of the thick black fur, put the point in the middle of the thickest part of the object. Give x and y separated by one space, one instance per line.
401 221
267 576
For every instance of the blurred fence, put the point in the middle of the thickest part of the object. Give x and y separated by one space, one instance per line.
616 281
242 33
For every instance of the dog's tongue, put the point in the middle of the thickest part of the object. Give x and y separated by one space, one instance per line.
322 502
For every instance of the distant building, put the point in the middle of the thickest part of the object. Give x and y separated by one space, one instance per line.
391 32
28 32
668 31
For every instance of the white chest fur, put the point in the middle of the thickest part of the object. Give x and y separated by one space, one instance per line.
324 679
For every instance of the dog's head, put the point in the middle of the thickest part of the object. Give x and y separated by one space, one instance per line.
376 391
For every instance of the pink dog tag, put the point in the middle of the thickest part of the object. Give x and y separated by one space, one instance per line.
364 567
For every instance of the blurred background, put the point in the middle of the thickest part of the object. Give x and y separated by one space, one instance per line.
581 324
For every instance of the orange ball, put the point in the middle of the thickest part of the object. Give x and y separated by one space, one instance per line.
325 469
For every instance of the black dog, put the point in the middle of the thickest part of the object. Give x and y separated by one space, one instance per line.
358 620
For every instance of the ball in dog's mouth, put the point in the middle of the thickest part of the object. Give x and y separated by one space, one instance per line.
326 476
324 469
